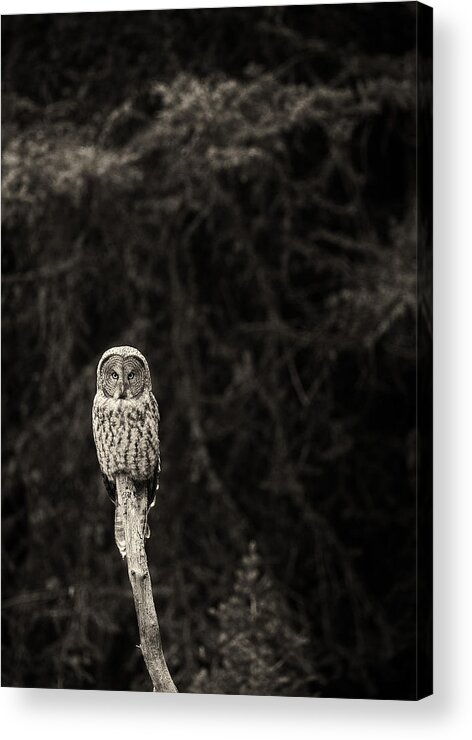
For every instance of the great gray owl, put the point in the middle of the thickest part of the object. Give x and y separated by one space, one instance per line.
125 420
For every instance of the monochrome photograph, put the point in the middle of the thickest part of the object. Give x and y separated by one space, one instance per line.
217 330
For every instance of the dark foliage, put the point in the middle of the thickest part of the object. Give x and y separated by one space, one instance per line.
233 192
257 650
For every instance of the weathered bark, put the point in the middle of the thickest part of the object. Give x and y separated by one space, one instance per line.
134 512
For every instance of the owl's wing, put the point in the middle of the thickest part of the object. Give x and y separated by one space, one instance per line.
152 484
111 488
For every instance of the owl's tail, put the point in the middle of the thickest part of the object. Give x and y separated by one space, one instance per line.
120 527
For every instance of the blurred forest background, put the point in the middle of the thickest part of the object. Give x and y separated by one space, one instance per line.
232 192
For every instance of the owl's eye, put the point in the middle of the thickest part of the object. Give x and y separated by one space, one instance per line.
130 376
114 375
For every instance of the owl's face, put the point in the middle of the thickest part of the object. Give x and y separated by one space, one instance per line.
122 376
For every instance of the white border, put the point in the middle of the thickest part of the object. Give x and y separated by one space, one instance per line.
73 715
56 6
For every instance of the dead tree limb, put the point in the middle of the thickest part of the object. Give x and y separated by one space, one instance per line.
134 507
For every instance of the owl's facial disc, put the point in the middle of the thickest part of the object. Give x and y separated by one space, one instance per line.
122 377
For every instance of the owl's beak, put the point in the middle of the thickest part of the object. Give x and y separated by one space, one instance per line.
120 391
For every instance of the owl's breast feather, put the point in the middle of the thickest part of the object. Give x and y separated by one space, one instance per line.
126 436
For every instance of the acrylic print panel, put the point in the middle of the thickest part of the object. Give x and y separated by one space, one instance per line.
237 203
